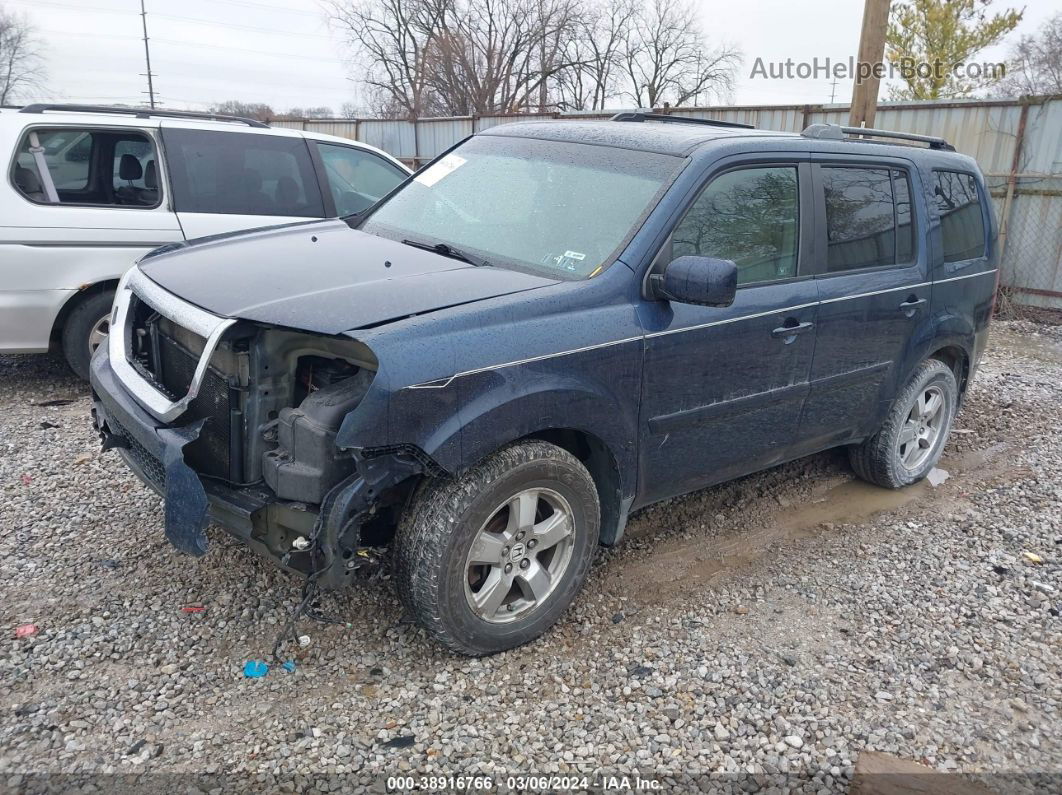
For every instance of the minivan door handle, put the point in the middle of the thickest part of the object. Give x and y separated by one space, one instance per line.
789 330
910 306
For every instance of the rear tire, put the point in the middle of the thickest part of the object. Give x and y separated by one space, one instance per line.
490 560
85 329
910 441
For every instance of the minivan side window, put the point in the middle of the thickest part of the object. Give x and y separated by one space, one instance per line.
89 167
869 222
240 173
749 216
357 179
962 224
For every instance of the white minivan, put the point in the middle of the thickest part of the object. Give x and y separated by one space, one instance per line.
91 189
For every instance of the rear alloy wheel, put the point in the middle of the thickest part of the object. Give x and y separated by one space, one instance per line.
490 560
86 328
915 430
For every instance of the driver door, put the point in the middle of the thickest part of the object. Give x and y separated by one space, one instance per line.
723 388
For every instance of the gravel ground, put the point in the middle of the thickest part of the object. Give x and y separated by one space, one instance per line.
757 634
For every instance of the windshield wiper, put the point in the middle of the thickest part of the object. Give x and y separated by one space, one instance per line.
449 251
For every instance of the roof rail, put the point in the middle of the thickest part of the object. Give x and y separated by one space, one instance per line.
637 115
835 132
143 113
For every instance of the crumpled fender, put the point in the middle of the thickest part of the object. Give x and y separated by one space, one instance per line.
186 499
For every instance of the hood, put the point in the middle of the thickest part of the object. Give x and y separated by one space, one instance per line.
322 277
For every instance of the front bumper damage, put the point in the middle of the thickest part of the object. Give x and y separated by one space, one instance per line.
322 543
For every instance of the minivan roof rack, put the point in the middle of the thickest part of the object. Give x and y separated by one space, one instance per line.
835 132
143 113
637 115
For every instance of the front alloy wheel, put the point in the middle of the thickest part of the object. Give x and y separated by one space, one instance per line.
519 556
490 560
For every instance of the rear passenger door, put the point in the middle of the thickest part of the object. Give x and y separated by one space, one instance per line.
873 292
723 387
224 181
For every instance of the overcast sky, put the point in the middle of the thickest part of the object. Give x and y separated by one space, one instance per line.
282 52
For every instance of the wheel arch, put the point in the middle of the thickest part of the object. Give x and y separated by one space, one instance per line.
86 292
603 467
957 358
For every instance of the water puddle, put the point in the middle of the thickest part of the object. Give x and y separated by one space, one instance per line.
677 564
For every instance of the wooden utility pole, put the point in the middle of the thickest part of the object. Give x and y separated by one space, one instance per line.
871 53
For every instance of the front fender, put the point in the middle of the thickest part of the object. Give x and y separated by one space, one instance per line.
459 421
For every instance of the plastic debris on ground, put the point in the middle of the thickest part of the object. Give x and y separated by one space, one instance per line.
1033 558
304 641
27 631
289 666
937 476
255 669
193 609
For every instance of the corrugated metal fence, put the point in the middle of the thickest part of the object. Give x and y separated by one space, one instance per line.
1018 144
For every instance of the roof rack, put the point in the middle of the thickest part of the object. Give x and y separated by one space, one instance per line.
835 132
143 113
637 115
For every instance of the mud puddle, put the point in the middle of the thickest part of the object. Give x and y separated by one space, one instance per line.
678 564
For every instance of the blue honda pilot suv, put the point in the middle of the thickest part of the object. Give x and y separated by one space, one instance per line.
549 326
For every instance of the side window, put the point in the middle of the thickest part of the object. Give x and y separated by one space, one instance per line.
749 216
357 179
87 167
962 224
860 223
241 174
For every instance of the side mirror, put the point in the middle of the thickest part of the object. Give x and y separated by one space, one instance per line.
705 281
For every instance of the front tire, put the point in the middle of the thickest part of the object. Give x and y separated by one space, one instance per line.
85 329
490 560
910 441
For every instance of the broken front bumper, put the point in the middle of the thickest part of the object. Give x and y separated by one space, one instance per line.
154 451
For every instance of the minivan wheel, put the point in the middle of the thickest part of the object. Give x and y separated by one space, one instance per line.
490 560
913 435
85 329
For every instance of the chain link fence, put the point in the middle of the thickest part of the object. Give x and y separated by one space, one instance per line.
1029 209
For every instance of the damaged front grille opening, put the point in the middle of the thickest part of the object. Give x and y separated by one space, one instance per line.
264 422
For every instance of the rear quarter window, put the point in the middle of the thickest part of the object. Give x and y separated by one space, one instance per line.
962 223
242 174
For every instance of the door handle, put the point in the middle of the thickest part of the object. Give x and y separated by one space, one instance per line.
790 329
910 306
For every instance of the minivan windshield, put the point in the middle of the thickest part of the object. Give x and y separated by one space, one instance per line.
552 208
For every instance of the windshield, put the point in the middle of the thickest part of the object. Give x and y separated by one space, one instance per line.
551 208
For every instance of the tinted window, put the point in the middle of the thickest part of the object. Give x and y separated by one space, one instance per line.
95 167
241 173
748 216
357 179
962 223
904 218
860 225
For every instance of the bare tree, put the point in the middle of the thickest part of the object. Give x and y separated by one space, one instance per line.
458 57
393 39
666 59
600 40
500 55
249 110
21 65
1036 62
319 112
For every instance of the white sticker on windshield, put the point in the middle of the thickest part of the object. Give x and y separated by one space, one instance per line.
575 255
439 169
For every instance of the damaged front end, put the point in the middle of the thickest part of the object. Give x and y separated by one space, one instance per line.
236 422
